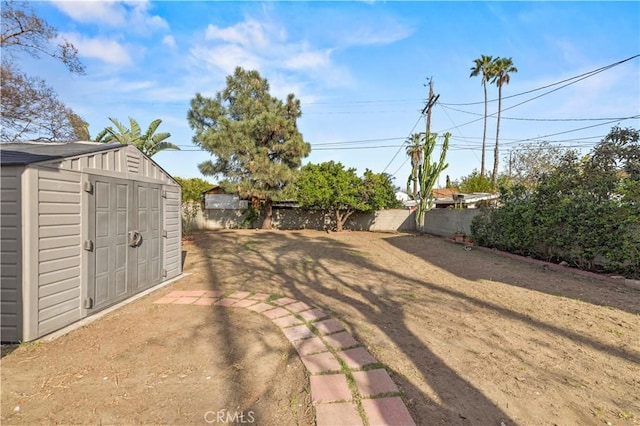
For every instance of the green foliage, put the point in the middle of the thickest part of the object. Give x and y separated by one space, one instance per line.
189 214
192 188
339 192
251 216
414 151
474 182
379 192
584 211
253 136
528 162
150 143
428 173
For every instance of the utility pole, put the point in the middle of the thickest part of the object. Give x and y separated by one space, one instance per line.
429 105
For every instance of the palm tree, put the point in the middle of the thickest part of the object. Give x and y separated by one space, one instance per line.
414 151
500 75
483 66
150 143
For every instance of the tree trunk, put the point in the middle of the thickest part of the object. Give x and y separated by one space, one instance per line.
415 180
341 219
268 214
484 132
496 153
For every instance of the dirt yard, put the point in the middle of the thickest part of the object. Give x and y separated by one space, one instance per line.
470 337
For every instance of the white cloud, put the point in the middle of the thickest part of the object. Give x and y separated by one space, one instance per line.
169 41
311 60
250 34
266 47
106 50
133 15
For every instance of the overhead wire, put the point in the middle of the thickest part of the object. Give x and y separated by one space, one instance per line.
580 76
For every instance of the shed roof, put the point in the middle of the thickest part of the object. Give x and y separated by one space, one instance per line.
21 153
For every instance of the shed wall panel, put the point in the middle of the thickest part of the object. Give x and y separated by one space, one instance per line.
53 323
59 250
172 246
10 253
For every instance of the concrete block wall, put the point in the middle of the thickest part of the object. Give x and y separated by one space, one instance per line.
290 219
446 222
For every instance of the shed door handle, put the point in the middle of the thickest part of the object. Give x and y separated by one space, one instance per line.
135 238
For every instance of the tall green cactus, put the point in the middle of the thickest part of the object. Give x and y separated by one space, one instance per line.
428 173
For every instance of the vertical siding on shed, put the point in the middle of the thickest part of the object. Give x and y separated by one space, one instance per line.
172 224
10 253
59 249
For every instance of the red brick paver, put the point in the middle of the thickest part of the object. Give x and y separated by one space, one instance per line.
276 313
329 388
299 332
213 293
328 326
387 411
342 340
244 303
259 296
312 315
283 301
298 307
260 307
226 302
185 300
374 382
240 294
287 321
321 363
341 413
310 346
356 357
205 301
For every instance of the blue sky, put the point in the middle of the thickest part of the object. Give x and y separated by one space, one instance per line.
359 69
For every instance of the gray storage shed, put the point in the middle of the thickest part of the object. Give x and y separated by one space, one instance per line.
83 226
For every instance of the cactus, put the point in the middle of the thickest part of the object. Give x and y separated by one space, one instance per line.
428 173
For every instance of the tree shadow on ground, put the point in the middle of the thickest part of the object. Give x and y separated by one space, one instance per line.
299 268
240 397
481 265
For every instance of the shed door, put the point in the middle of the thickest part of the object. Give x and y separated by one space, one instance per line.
109 280
119 269
148 211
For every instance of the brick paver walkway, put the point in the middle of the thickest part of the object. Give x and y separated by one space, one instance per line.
348 385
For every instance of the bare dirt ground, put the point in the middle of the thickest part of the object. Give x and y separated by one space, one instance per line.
470 337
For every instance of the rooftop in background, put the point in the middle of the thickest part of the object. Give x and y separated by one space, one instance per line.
21 153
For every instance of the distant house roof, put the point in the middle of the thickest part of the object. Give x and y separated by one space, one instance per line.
21 153
466 199
444 192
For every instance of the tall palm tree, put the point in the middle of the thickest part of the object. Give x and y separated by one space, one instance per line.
501 69
150 143
414 151
483 66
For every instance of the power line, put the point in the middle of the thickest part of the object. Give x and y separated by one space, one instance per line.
400 148
581 77
538 119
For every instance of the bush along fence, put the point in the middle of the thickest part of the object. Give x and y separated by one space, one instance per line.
587 232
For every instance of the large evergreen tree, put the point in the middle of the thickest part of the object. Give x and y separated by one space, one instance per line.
253 136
